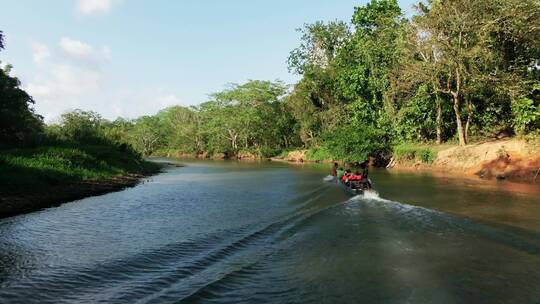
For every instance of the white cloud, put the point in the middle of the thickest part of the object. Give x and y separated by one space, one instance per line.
106 52
74 80
89 7
62 87
75 75
38 90
84 52
40 52
75 48
68 78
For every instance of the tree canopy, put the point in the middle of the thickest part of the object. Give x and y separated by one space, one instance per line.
454 71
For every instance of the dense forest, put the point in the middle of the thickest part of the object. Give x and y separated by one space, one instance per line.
456 71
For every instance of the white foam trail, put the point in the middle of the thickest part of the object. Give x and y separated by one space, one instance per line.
329 178
372 198
371 194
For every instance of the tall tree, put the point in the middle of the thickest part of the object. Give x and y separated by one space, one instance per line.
446 40
243 117
320 43
1 40
18 122
148 134
363 65
467 39
182 129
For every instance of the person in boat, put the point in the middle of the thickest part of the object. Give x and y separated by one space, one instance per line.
334 169
356 176
345 178
355 179
364 168
365 174
340 173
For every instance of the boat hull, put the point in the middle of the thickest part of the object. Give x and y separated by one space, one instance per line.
351 191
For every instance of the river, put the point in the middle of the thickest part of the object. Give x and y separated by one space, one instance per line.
236 232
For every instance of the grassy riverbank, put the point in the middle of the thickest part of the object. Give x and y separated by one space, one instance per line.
34 178
47 166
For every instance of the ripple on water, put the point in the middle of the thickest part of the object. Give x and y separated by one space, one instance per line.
253 238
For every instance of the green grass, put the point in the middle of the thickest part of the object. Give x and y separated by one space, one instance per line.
45 166
318 154
415 152
284 154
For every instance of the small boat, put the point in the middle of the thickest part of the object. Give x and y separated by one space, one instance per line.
356 187
353 188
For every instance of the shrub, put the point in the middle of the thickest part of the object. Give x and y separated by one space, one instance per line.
526 115
410 152
319 154
268 152
354 143
427 155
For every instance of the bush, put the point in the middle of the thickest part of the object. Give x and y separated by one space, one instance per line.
410 152
268 152
283 154
416 118
526 115
319 154
427 155
356 143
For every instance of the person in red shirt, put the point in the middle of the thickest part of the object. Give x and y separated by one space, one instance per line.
334 169
346 176
356 176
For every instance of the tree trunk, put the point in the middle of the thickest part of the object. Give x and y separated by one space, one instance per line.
469 118
232 138
438 120
460 131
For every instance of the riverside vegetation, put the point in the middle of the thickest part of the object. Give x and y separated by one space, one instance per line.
455 72
41 165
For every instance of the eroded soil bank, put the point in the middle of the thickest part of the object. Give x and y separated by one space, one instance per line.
510 159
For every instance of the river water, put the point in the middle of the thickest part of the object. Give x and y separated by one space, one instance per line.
229 232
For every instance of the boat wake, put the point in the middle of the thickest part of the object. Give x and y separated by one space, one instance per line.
329 178
286 258
369 195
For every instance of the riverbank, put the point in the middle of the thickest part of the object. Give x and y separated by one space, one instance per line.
35 178
509 159
241 155
19 203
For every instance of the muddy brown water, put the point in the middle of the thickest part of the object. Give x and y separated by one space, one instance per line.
230 232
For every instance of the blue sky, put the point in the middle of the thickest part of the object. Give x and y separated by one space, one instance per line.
134 57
